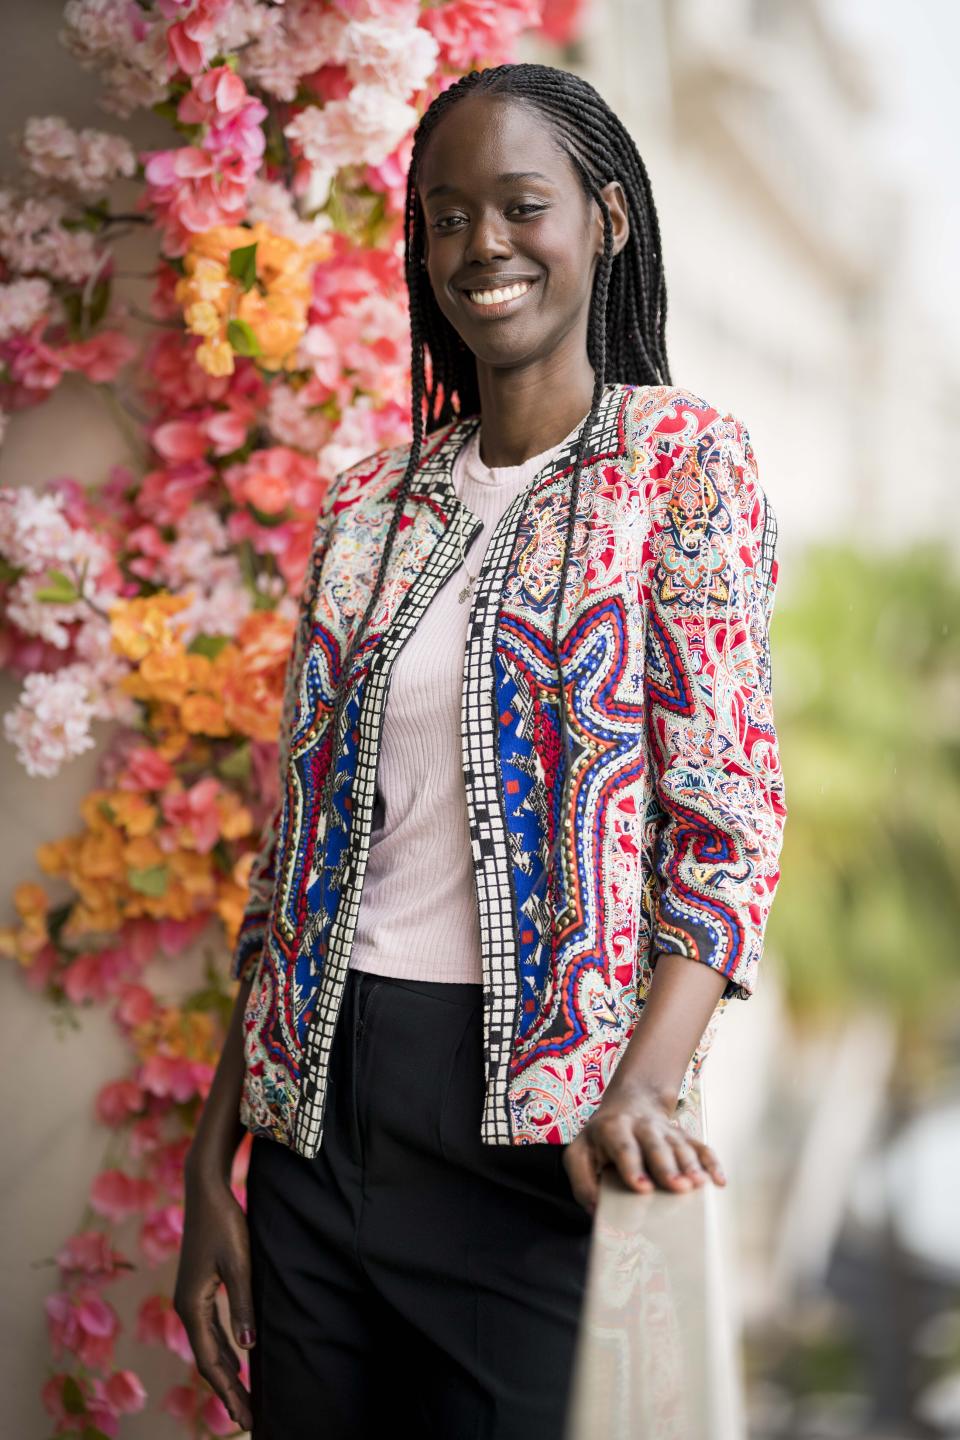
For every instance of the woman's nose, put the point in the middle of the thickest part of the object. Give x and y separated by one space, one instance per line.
487 239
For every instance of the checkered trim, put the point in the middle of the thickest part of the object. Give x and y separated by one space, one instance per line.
489 835
444 559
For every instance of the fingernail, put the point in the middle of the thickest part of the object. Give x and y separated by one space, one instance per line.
247 1337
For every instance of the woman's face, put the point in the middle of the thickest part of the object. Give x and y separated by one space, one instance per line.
504 210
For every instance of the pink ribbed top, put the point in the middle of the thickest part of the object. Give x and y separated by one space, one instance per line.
418 912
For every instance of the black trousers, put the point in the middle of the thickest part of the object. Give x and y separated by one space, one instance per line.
410 1279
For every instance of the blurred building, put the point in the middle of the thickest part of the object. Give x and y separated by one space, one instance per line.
790 295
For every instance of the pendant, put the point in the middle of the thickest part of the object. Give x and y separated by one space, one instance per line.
465 592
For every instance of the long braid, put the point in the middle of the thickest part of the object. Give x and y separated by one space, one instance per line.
626 328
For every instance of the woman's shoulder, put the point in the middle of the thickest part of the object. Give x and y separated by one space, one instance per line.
369 476
676 413
676 438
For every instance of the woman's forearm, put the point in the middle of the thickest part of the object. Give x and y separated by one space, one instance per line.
683 994
219 1132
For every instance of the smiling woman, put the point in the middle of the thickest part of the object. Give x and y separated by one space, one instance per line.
526 849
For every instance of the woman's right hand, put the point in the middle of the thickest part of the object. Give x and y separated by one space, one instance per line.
215 1250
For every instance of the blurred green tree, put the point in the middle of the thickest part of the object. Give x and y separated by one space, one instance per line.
866 667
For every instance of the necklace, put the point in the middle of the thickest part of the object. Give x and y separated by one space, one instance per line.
464 594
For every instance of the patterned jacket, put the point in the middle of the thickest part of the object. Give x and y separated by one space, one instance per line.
678 800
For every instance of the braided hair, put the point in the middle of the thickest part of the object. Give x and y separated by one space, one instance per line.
625 330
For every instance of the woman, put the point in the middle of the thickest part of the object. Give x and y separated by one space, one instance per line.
501 876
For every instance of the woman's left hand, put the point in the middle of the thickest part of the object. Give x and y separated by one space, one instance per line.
637 1134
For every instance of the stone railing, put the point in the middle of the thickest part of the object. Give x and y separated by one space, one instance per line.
658 1357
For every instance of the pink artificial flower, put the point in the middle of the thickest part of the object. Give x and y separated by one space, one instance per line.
238 141
82 1322
117 1101
158 1324
161 1233
390 176
144 1137
471 30
288 543
190 39
116 1195
227 429
274 479
562 20
214 96
168 493
91 1254
53 1402
188 1405
177 441
174 936
195 812
140 938
170 1077
176 380
264 776
136 1006
165 1164
33 368
180 1401
191 191
215 1417
96 1412
146 769
99 358
94 976
124 1392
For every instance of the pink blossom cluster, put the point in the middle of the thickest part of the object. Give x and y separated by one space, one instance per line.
34 239
39 250
36 360
128 49
84 1324
78 1405
196 187
60 579
86 160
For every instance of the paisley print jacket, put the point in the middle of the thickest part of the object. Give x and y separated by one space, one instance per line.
678 797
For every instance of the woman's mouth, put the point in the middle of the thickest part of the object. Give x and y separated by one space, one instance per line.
498 301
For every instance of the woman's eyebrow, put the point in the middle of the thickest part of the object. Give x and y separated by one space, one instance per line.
505 178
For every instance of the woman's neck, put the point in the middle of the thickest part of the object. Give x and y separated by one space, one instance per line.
527 411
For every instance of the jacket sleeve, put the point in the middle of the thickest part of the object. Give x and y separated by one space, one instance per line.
712 744
256 914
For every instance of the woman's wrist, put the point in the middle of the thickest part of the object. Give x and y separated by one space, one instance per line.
209 1161
641 1090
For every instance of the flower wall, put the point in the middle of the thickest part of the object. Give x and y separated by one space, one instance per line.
151 616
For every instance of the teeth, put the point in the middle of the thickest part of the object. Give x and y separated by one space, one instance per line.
496 297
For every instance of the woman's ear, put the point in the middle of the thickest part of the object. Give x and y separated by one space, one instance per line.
616 203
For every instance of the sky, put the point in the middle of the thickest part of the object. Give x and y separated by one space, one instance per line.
913 49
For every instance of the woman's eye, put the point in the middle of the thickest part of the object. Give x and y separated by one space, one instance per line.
524 209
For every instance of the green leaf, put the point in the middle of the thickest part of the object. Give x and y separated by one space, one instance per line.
99 301
152 880
242 338
267 518
93 1432
243 265
236 766
209 645
8 572
60 591
72 1396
